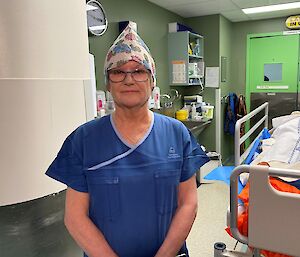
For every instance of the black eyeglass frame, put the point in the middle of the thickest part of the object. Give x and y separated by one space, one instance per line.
124 73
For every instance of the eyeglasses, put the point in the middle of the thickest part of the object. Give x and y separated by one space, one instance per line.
138 75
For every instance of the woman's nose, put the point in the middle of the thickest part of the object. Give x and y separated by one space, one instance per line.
128 78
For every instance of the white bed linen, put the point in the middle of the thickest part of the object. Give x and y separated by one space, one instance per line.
286 147
282 150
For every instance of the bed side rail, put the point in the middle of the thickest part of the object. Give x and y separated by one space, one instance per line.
272 214
234 178
238 140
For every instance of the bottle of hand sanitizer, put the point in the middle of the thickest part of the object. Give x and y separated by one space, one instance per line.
193 112
156 97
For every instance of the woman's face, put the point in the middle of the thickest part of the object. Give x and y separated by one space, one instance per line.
135 90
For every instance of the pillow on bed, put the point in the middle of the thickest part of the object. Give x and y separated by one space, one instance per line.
287 143
276 122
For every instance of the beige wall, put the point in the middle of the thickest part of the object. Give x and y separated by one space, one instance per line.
43 70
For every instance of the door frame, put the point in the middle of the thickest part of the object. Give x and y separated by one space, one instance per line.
260 35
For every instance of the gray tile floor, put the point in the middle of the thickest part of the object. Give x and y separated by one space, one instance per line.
209 226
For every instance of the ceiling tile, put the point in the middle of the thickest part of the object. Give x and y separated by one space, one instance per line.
235 16
205 8
231 9
248 4
170 3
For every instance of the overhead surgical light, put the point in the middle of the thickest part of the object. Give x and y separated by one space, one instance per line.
272 8
91 7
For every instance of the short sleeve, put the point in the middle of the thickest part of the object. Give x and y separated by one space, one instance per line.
193 156
67 167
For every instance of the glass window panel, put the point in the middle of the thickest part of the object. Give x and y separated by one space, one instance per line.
273 72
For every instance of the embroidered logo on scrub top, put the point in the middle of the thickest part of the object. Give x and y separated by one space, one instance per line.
172 153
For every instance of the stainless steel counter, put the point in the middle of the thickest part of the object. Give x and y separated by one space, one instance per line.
196 127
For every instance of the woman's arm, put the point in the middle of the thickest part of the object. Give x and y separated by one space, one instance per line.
183 219
81 228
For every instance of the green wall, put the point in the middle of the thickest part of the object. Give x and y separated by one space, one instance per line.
233 41
152 22
226 38
221 38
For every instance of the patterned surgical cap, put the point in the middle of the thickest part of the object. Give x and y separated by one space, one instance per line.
129 47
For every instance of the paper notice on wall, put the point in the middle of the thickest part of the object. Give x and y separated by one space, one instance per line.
212 77
179 72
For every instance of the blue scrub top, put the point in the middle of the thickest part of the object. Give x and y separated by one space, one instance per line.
132 188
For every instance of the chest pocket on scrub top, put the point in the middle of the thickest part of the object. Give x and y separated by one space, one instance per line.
104 196
166 190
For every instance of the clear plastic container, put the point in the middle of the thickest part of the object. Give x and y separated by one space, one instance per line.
110 105
193 111
156 97
208 111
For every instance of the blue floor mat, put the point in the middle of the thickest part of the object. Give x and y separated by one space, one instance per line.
222 173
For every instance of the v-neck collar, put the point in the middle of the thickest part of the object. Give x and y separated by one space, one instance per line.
132 146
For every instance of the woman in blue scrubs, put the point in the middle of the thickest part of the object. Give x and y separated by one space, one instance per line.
130 175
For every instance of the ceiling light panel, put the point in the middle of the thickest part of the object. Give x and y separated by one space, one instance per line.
255 3
235 16
272 8
270 15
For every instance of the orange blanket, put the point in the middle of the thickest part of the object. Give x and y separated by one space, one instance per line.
243 218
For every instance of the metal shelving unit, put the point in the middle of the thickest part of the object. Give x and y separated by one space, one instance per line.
185 57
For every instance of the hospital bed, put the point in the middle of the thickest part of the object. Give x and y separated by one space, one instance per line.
274 216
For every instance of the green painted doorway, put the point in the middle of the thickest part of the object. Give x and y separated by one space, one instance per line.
273 72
